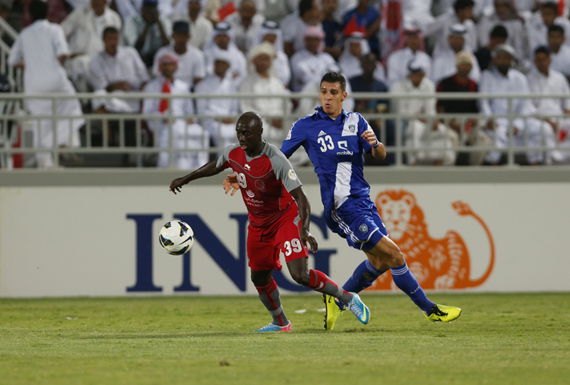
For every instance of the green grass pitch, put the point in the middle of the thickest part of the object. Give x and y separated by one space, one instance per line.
499 339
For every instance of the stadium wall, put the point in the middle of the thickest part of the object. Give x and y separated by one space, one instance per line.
94 232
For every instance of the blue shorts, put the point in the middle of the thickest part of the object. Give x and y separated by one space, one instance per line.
357 221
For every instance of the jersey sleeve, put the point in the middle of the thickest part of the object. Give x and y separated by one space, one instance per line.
294 139
363 126
284 170
225 156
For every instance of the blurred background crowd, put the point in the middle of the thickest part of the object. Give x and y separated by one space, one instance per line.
278 47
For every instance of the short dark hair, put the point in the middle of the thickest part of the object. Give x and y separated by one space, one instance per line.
462 4
555 28
334 77
499 32
542 49
108 30
38 10
553 5
305 6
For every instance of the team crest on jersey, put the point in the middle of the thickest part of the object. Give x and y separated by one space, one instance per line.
363 228
250 193
247 167
292 175
352 128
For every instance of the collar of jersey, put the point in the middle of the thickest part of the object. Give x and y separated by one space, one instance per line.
323 115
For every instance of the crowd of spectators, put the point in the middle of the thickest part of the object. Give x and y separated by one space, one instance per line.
218 47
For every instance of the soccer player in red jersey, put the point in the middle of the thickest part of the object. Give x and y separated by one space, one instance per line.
279 216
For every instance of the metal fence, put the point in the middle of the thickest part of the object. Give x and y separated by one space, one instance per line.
110 135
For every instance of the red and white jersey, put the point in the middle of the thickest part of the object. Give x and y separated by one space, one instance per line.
265 182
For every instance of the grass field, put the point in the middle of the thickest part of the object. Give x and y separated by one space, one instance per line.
500 339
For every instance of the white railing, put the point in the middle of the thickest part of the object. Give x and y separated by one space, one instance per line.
390 125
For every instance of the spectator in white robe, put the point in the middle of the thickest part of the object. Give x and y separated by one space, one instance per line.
261 81
223 111
444 64
83 29
355 46
432 142
542 81
526 131
271 33
175 118
462 13
246 23
559 51
41 49
148 32
397 64
191 62
116 69
504 13
311 63
537 25
222 40
200 26
294 25
127 8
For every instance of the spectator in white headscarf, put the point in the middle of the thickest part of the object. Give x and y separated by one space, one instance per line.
271 33
222 40
354 47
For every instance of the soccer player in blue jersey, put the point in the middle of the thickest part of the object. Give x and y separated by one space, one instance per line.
335 141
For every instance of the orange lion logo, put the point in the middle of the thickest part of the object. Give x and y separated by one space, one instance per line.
436 263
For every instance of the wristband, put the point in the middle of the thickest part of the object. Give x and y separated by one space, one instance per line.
377 144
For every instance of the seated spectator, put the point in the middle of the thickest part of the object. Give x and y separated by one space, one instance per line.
506 15
467 129
41 49
83 29
462 13
191 65
294 25
261 81
277 10
222 40
117 69
200 26
431 141
221 127
148 31
538 23
366 82
559 51
444 62
271 33
310 64
332 28
354 47
364 18
527 131
397 64
543 80
245 23
498 36
186 134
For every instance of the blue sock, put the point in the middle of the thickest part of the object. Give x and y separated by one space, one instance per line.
405 280
362 277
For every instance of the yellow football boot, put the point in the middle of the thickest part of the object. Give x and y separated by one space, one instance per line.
444 313
332 311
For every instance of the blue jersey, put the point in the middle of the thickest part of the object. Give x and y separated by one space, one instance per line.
337 152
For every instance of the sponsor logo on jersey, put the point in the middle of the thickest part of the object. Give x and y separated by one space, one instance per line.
292 175
322 133
250 193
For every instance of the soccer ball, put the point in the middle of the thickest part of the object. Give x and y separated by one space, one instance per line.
176 237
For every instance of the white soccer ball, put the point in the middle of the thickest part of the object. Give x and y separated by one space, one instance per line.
176 237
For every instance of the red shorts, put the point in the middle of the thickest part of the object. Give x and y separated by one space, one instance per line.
266 244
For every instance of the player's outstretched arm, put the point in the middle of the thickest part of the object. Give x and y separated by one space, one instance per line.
305 214
206 170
